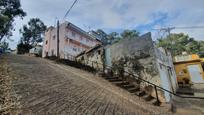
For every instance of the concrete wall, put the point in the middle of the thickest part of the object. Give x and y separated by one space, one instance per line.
93 58
141 57
139 50
166 71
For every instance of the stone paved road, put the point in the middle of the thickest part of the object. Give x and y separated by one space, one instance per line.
45 87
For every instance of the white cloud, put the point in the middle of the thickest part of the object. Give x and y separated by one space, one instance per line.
117 14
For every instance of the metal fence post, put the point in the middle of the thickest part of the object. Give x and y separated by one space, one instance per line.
155 87
97 66
92 66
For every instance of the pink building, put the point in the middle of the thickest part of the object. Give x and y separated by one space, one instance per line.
72 41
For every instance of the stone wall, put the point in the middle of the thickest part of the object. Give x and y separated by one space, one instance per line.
93 57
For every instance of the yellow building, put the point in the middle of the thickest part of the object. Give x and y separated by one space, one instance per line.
189 69
202 60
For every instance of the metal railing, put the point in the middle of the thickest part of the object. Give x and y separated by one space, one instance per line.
143 80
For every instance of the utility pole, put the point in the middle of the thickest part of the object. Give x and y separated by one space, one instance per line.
58 56
58 27
168 31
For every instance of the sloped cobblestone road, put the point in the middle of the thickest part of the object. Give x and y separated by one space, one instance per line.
45 87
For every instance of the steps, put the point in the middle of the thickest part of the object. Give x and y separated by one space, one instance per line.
120 83
140 93
113 79
128 86
133 89
148 97
185 91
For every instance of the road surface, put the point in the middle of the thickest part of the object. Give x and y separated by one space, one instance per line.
45 87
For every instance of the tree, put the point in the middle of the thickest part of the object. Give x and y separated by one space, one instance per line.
129 34
114 37
23 48
32 33
178 43
9 9
101 33
193 47
4 45
201 46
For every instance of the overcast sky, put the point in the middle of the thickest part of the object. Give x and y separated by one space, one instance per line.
116 15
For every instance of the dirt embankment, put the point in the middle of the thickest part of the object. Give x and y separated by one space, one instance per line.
8 99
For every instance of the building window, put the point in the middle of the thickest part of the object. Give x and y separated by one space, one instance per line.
81 38
74 49
73 34
46 42
53 38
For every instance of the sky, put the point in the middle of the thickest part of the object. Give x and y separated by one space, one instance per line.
117 15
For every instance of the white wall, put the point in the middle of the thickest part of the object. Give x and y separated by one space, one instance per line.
80 38
166 71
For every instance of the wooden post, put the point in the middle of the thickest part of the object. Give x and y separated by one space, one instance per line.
58 39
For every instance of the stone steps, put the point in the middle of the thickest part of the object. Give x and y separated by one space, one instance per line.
185 91
132 89
128 86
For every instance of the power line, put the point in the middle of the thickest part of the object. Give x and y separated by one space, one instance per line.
187 27
190 27
69 9
169 29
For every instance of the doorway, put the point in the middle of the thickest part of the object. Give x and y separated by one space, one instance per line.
195 73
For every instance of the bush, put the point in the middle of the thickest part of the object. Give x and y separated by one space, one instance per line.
23 48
